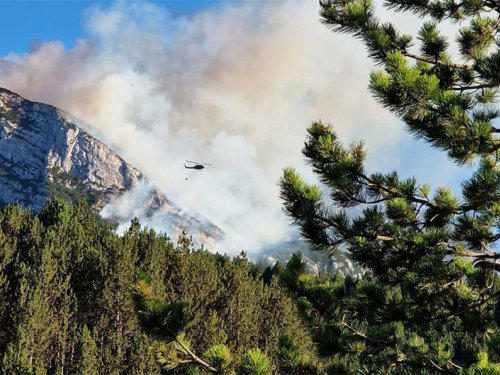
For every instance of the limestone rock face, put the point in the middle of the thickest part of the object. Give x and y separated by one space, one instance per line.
316 263
44 154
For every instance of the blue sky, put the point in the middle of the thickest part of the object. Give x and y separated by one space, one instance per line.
23 23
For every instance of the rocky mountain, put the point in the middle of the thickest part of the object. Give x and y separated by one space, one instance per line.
316 263
44 154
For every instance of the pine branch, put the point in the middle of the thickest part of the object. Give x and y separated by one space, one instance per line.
484 264
364 201
194 357
342 321
440 368
393 194
142 292
436 62
475 87
334 225
434 363
468 308
357 332
471 254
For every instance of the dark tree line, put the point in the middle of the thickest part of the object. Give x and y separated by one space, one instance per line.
68 298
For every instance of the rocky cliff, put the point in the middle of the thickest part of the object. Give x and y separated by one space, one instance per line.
44 154
316 263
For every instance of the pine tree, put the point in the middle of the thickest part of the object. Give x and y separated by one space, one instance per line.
429 302
88 365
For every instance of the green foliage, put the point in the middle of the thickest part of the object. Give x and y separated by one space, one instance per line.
63 185
242 325
428 302
73 302
293 360
89 356
219 357
446 103
256 363
176 352
10 115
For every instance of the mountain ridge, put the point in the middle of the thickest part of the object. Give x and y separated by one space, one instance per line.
44 154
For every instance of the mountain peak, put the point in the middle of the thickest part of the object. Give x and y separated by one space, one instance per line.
44 154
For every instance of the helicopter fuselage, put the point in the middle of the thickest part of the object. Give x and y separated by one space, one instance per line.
198 166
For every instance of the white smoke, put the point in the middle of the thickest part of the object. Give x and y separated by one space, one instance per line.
235 87
132 204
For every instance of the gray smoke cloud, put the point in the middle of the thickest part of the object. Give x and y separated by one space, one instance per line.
235 87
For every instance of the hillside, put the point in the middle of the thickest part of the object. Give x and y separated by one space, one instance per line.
67 307
44 154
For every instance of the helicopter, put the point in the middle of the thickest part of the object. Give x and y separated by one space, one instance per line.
196 165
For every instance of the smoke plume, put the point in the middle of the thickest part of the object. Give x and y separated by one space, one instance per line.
235 87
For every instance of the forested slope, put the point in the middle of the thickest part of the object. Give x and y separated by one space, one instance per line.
67 307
